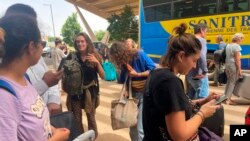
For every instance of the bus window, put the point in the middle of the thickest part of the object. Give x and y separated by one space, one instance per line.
241 5
158 12
154 2
207 7
183 9
227 6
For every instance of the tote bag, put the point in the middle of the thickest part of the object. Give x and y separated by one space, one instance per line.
124 111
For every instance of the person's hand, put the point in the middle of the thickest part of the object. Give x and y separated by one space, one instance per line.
125 94
239 72
129 67
209 108
91 58
60 134
52 78
54 108
212 96
133 73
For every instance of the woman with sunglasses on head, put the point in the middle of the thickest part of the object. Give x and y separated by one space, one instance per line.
23 115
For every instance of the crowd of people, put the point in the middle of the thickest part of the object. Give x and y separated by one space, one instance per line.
166 112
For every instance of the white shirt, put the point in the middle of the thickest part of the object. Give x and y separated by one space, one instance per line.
230 52
49 94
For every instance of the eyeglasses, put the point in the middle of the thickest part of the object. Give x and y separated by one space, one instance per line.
43 43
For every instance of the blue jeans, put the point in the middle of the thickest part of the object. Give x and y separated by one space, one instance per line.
136 132
198 88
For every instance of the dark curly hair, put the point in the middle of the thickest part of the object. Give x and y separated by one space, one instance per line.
180 42
121 55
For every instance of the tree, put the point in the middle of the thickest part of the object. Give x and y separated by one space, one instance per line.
99 34
70 29
123 26
52 39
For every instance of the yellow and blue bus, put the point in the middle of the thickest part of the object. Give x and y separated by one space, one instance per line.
223 17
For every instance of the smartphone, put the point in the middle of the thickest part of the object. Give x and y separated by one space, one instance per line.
61 64
220 99
241 79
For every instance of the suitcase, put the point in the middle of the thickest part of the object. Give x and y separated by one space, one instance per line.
241 88
216 122
247 117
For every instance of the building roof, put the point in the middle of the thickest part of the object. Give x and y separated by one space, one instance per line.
105 8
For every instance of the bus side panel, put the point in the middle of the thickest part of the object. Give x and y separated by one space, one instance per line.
153 38
154 47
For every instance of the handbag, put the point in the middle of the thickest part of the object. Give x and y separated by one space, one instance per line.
207 135
124 111
66 120
138 85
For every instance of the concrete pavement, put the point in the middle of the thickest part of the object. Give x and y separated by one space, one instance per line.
234 114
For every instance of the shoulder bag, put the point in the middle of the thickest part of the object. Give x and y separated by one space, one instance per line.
124 111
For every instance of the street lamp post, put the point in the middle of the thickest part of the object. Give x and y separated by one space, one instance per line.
51 17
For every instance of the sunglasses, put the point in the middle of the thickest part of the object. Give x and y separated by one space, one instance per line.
43 43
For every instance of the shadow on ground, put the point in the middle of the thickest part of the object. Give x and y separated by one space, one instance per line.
110 137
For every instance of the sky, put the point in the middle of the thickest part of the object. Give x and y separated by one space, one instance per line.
61 10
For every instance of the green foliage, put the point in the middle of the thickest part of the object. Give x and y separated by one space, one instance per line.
70 28
99 34
123 26
51 39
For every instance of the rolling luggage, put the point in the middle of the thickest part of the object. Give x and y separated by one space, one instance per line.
241 88
216 122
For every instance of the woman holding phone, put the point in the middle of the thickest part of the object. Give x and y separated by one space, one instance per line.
167 111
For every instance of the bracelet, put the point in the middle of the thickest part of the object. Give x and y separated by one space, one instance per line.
201 115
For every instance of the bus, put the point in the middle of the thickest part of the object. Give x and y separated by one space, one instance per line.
223 17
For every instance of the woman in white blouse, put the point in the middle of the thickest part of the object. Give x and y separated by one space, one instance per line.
233 64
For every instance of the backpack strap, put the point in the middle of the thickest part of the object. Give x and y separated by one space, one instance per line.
27 77
6 86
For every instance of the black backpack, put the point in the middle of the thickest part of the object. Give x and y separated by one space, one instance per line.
223 56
